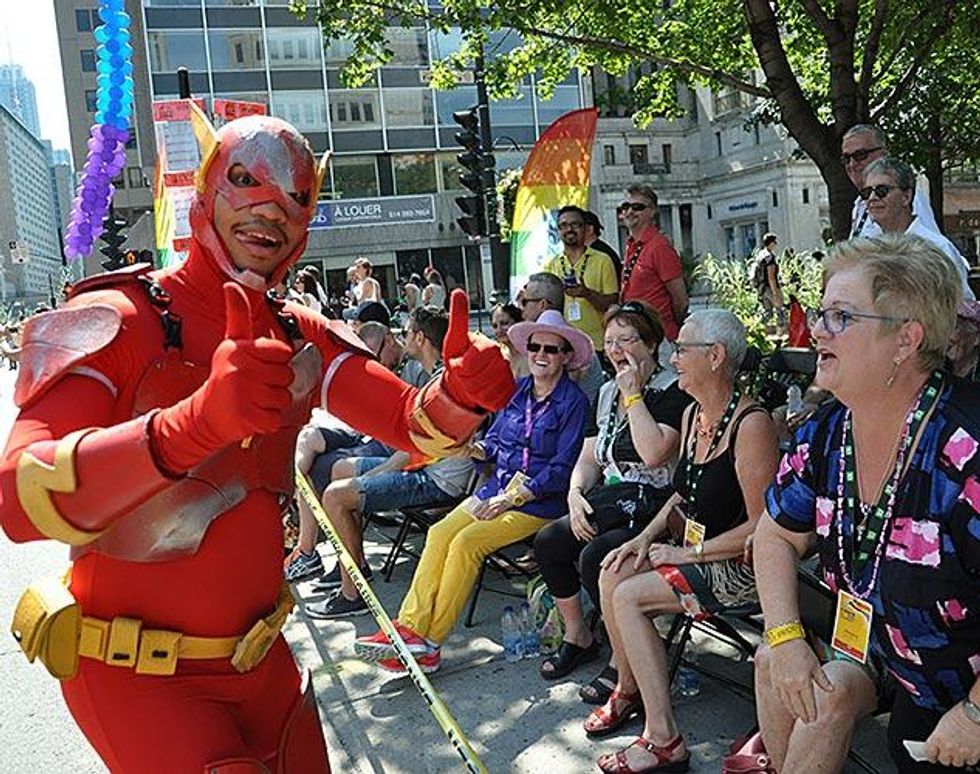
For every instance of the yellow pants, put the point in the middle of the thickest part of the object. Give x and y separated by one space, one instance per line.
454 550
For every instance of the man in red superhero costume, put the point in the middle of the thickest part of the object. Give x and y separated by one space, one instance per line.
158 416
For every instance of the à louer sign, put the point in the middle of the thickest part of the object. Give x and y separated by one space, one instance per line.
381 211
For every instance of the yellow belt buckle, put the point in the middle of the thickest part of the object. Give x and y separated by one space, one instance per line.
123 646
252 648
158 652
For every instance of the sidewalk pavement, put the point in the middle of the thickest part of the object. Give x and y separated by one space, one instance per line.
515 720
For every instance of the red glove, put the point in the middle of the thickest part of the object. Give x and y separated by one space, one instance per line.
245 394
476 376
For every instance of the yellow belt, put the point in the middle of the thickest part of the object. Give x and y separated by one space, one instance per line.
124 642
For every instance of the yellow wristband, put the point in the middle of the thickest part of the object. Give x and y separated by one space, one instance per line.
777 635
631 400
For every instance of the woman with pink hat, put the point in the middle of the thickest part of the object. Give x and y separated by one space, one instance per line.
534 441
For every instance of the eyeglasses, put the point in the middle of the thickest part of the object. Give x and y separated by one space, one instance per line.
635 206
836 320
859 155
622 342
881 191
681 347
571 226
525 301
548 349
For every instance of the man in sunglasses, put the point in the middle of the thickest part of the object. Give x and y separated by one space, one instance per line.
589 276
652 270
888 192
861 145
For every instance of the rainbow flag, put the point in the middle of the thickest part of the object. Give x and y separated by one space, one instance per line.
556 173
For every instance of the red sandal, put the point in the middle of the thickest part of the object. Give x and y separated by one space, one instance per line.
606 719
615 763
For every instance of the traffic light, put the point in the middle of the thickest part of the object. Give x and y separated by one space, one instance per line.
478 176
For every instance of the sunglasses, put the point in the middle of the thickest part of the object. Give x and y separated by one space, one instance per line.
858 156
549 349
881 191
635 206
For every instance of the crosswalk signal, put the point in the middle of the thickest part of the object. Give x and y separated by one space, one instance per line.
477 176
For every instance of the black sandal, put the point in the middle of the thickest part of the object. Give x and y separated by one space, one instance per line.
601 688
568 658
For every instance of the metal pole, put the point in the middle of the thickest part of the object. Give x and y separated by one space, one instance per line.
500 258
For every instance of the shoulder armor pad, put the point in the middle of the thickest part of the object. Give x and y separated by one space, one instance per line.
110 279
56 341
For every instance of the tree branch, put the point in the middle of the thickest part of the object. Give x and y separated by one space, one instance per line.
826 25
916 64
619 47
871 47
912 27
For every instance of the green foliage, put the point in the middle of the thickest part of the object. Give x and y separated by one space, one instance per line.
730 280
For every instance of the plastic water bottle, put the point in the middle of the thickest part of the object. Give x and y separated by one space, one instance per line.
688 679
510 632
529 632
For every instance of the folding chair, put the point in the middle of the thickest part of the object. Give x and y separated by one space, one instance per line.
499 561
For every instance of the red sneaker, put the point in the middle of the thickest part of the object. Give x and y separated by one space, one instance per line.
428 663
377 646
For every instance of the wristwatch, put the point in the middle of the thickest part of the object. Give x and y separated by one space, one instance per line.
698 549
518 498
971 710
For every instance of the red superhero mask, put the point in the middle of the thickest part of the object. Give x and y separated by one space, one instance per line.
283 171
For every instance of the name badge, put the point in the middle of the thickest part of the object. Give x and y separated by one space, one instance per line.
693 533
852 626
573 311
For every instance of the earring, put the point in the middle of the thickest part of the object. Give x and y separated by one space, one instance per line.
891 377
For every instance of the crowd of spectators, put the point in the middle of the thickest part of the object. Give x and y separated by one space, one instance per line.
635 460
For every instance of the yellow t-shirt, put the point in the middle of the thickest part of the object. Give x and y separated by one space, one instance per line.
595 271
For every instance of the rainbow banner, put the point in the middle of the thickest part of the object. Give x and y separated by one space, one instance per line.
557 173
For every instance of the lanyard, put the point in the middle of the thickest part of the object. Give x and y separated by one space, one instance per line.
530 417
568 269
856 231
694 472
613 429
861 547
635 248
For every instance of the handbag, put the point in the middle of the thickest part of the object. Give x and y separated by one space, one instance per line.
747 756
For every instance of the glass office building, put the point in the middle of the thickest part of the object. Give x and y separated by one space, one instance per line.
391 140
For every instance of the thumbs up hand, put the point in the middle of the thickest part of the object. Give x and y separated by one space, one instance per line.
477 376
245 394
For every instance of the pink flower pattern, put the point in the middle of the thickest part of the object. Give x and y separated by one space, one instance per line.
952 611
960 448
971 493
901 646
915 542
824 515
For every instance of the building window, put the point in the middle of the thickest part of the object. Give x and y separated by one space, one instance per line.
775 198
88 60
91 100
806 195
170 49
709 212
408 107
638 155
415 173
135 175
609 155
234 49
83 21
354 176
668 154
449 171
354 109
718 142
303 109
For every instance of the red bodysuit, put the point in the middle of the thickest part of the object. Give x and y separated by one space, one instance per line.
172 500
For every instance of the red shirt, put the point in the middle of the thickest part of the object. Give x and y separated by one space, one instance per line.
651 262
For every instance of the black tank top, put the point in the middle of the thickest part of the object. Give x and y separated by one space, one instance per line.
719 504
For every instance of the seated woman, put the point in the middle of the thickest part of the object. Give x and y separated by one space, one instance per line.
621 479
502 318
885 481
534 442
728 458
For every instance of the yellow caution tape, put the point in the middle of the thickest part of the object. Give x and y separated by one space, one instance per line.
437 707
